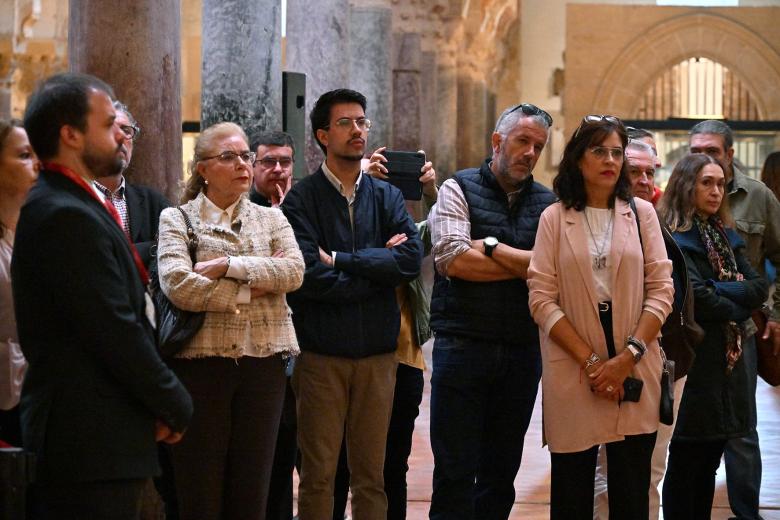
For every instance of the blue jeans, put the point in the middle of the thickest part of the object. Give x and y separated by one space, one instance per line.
482 397
743 455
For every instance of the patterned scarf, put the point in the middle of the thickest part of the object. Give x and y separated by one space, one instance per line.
722 260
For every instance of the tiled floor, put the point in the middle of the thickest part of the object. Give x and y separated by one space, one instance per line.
533 481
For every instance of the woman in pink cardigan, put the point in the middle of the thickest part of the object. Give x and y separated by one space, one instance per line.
599 300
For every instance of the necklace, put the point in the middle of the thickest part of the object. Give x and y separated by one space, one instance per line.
599 259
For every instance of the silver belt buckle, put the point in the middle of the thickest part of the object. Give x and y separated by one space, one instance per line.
603 306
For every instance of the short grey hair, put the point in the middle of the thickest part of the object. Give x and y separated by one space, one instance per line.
641 146
714 126
510 117
121 107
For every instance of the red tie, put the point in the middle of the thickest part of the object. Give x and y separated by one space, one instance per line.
111 211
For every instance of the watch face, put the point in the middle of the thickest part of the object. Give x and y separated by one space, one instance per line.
491 241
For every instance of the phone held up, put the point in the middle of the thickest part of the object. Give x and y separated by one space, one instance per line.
404 171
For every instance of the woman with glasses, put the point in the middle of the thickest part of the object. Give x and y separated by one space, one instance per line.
234 368
18 172
715 404
599 299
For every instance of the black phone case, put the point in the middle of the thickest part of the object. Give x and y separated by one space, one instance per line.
632 388
403 172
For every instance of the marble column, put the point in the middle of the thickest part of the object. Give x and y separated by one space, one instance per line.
134 46
369 68
429 115
242 64
406 91
318 45
7 44
447 118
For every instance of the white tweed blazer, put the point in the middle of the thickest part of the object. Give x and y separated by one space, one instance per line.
256 233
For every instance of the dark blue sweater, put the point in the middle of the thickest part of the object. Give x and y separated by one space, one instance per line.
350 310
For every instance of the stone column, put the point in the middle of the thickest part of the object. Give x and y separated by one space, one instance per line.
242 64
406 91
471 122
369 68
7 51
429 115
134 46
447 118
318 46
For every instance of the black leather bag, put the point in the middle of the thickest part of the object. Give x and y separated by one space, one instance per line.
175 327
680 334
667 390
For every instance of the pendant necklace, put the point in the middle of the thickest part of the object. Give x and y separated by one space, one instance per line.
599 259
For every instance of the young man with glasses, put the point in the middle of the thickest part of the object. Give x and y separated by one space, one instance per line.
359 243
486 358
273 168
138 206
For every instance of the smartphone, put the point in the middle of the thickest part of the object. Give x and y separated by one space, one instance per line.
404 171
632 389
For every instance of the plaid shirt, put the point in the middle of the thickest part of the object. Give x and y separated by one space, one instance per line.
117 198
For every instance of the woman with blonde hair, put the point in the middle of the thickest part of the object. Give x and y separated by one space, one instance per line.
234 368
18 172
716 403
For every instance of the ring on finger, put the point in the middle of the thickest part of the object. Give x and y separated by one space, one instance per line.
610 388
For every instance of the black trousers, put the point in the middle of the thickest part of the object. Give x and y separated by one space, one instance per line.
222 466
628 479
689 485
409 385
100 500
280 493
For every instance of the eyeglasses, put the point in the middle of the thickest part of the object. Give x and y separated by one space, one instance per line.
271 162
595 118
346 123
533 110
229 157
602 152
130 131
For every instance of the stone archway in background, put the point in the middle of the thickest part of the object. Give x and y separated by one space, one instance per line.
712 36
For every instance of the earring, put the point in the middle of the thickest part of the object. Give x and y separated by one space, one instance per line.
206 182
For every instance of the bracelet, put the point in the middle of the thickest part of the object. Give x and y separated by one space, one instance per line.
592 360
638 343
228 262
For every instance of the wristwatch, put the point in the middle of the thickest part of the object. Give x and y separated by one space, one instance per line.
634 352
490 244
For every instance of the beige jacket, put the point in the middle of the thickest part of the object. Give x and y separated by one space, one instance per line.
560 278
257 233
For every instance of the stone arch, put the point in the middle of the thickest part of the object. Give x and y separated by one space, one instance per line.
708 35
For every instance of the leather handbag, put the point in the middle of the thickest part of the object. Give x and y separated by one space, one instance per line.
666 411
175 327
768 362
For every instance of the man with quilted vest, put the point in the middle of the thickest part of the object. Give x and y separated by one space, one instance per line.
486 360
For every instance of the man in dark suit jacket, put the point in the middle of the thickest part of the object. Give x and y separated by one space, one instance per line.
96 395
138 206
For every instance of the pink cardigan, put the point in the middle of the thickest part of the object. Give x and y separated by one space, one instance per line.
560 279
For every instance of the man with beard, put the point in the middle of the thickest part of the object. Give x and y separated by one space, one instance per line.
359 244
96 395
139 206
486 359
273 168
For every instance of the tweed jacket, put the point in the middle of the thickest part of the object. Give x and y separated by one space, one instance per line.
256 233
560 278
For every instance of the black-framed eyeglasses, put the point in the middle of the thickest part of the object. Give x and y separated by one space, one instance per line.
229 157
271 162
347 122
597 118
130 131
533 110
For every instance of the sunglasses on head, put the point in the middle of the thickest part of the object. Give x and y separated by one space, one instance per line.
533 110
596 118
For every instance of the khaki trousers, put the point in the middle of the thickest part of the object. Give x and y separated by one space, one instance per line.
338 396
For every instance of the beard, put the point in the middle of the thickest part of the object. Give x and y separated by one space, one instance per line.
104 165
502 170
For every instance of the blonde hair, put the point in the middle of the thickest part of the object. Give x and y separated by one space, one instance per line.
204 147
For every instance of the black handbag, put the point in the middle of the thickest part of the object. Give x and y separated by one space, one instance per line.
667 390
175 327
